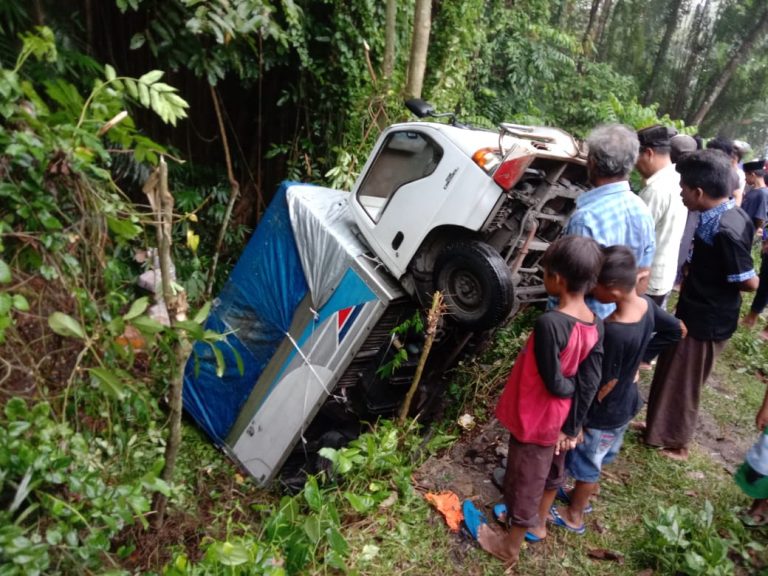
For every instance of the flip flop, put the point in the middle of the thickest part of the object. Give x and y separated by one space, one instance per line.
559 521
501 509
563 497
753 519
473 518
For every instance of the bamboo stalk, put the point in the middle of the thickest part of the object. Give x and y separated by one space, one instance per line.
433 317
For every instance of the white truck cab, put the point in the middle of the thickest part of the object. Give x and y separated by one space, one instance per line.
448 207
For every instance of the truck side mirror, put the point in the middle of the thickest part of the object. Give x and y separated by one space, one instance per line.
419 107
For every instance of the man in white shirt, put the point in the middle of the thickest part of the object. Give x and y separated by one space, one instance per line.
662 195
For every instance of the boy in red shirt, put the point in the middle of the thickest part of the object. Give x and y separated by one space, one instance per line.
548 394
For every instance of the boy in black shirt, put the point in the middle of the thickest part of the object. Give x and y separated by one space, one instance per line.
628 331
718 270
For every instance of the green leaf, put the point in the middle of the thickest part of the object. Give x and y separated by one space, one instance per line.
16 409
109 72
5 272
230 554
130 86
329 454
137 41
151 77
111 383
335 560
202 314
194 329
312 494
337 542
64 325
6 301
156 484
312 529
147 325
124 229
361 504
144 95
137 308
220 364
238 361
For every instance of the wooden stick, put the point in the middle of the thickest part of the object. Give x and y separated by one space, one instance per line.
233 195
435 313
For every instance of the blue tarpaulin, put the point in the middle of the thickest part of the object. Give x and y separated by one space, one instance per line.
257 305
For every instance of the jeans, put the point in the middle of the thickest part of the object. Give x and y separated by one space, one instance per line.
599 447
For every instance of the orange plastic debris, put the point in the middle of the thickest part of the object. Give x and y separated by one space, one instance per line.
447 503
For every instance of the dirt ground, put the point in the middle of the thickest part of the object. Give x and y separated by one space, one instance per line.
467 468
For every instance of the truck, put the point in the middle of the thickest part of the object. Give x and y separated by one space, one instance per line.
312 307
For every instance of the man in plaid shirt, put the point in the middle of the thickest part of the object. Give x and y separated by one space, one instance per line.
610 213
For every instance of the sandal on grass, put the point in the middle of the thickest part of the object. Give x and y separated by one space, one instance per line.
560 521
500 515
473 518
754 519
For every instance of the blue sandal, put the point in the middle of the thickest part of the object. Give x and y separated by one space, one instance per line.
500 510
565 498
473 518
558 520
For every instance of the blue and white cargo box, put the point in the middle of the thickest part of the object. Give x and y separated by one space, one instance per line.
298 306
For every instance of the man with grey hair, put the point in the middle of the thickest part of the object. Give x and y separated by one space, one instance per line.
610 213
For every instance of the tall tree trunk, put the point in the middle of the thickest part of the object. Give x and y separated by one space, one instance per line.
586 39
390 39
422 23
560 16
689 65
661 55
605 15
741 53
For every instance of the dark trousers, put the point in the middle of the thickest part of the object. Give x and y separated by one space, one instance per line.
673 403
761 296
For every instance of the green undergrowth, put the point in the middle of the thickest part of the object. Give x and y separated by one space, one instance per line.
652 513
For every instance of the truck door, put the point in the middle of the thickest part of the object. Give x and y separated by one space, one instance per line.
403 189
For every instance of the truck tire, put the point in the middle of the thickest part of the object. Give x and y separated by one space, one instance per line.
476 284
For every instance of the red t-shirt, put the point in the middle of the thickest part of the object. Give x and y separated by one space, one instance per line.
537 398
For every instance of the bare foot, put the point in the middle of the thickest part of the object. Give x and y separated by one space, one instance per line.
678 454
749 320
496 543
757 514
764 334
638 426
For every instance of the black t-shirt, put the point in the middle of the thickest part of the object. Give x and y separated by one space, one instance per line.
709 303
755 204
624 345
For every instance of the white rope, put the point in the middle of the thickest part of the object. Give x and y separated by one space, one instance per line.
306 361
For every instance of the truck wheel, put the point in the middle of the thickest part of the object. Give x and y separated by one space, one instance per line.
476 284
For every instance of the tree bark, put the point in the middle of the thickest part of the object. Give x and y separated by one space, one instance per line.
688 65
162 203
585 40
661 55
390 39
602 25
742 52
417 64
